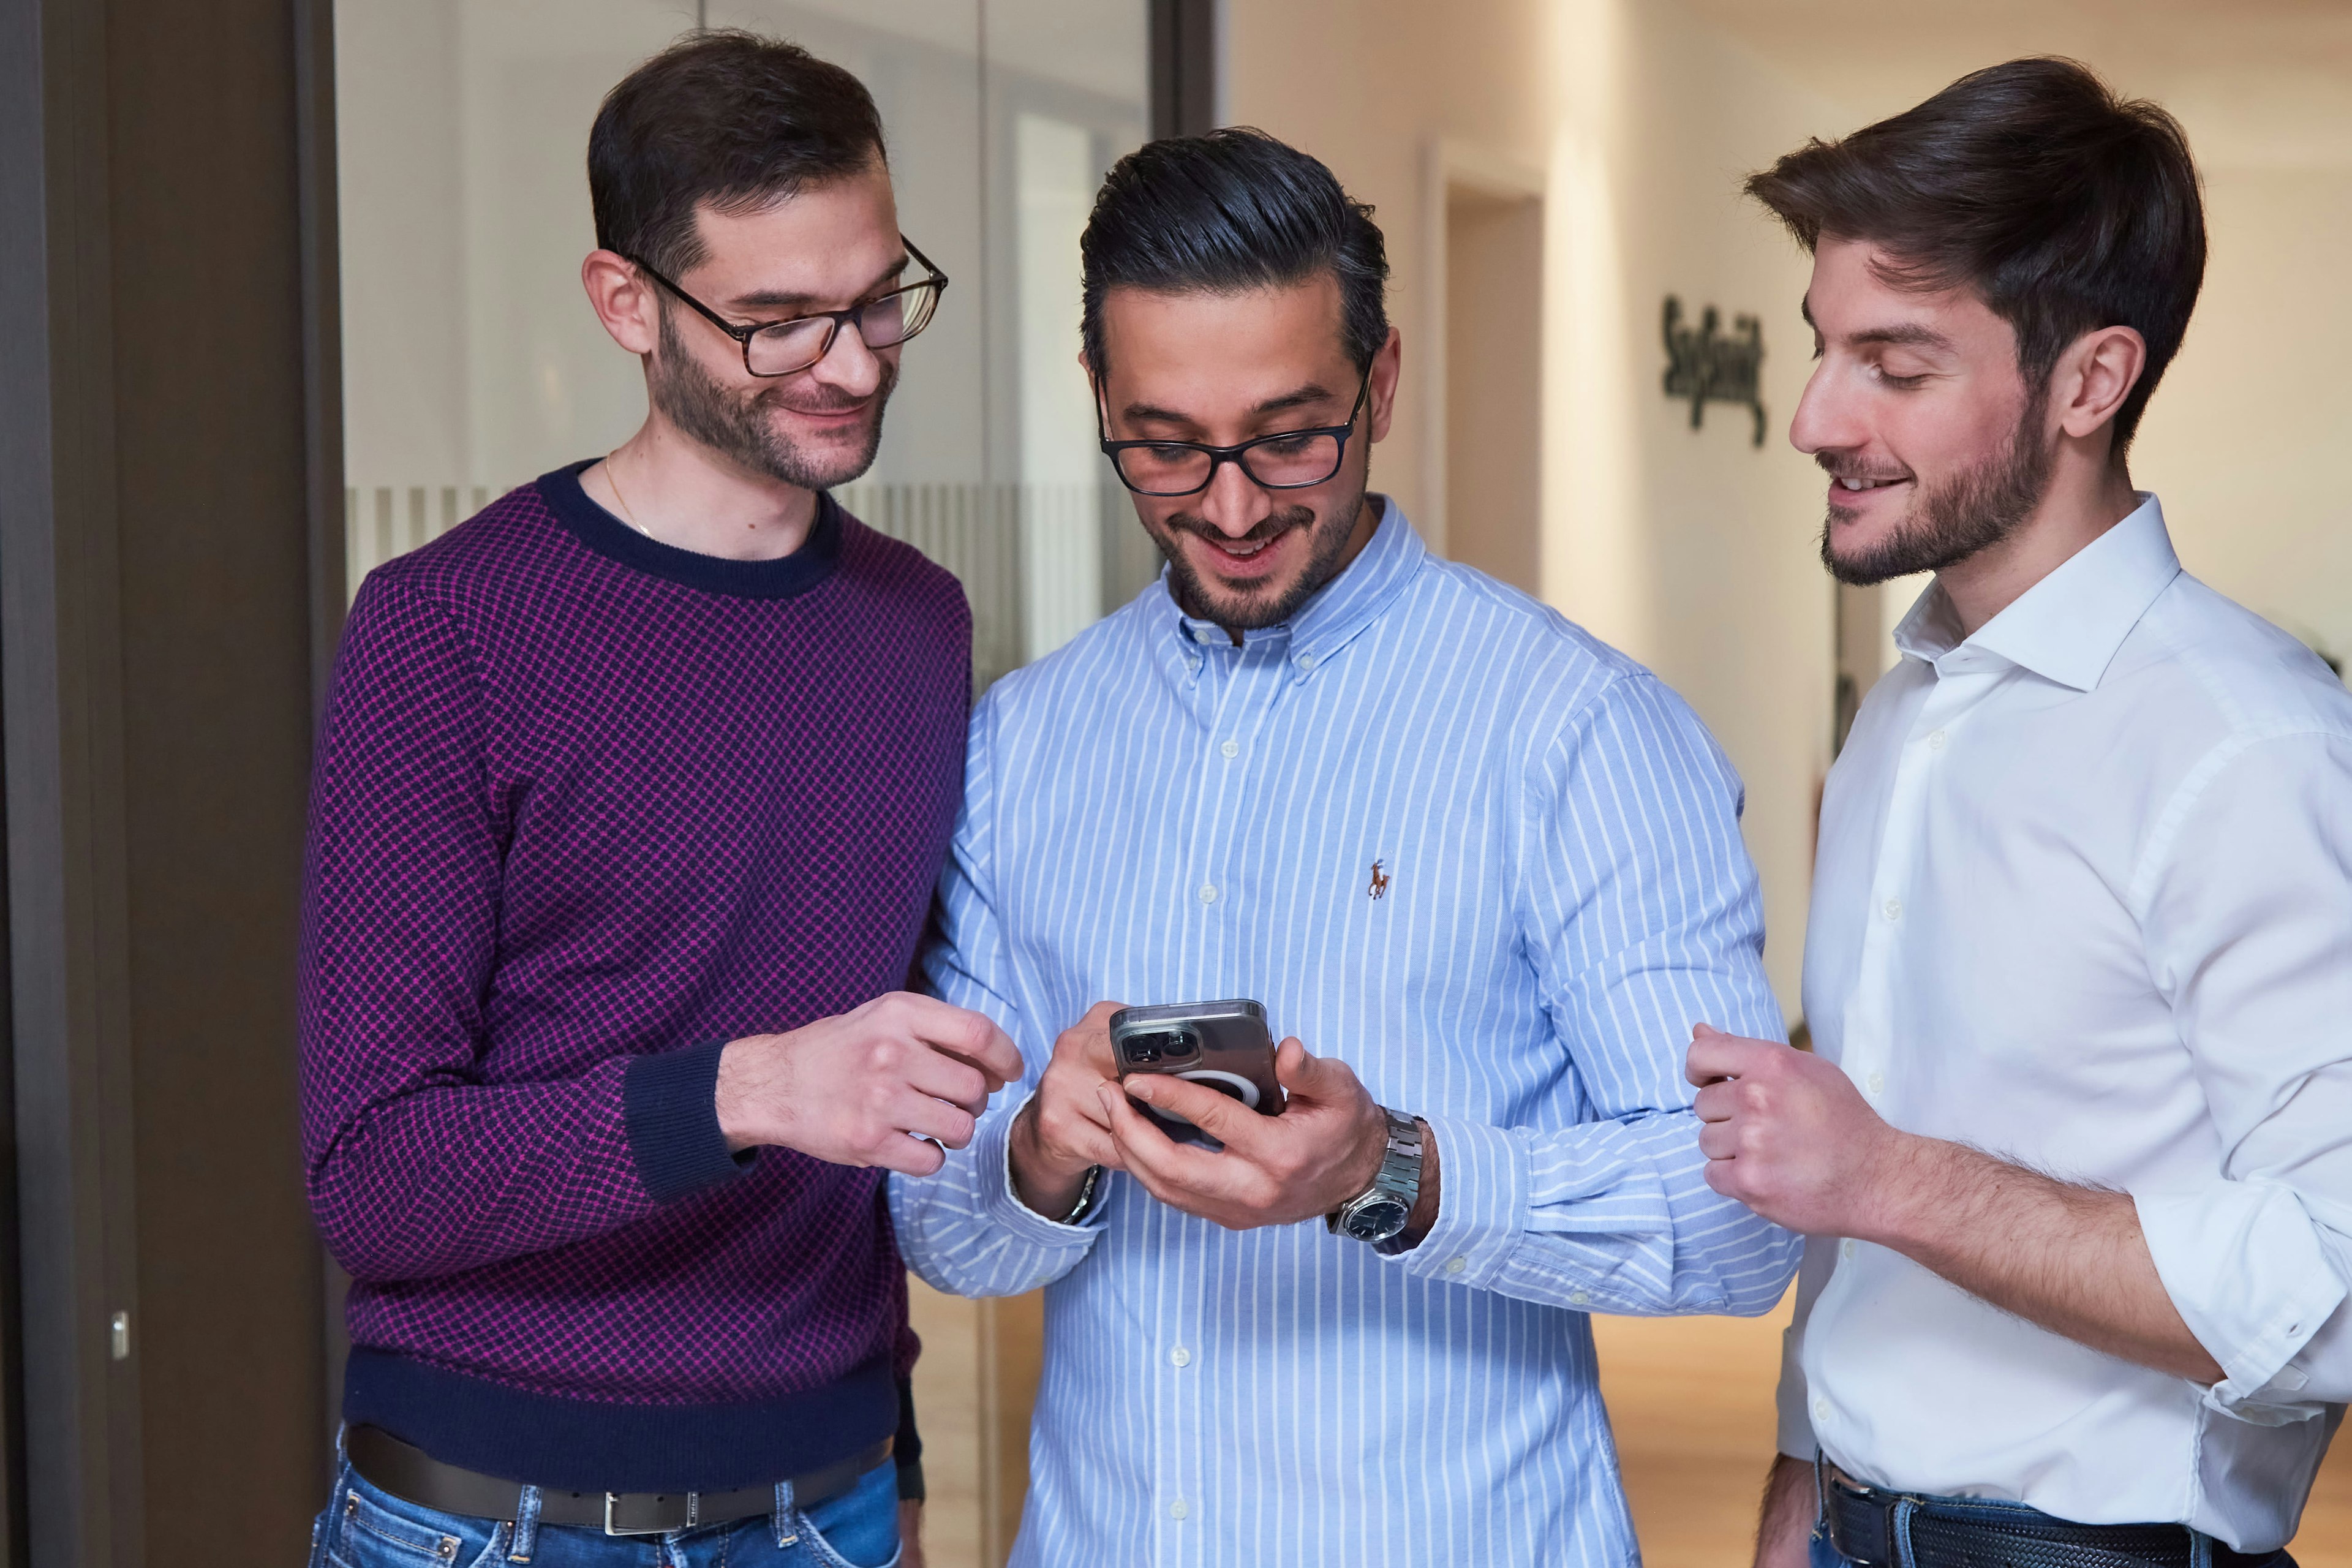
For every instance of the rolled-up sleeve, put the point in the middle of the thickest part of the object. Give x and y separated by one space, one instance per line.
1641 911
2247 912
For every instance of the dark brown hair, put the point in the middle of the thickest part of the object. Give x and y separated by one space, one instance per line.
724 117
1232 210
2064 207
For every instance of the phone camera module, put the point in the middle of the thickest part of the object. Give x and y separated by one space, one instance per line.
1144 1048
1182 1045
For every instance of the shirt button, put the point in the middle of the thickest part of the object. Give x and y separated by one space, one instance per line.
1306 661
1231 748
1893 909
1935 740
1208 894
1180 1356
1821 1408
1456 1265
1579 1298
1877 1085
1845 1248
1179 1508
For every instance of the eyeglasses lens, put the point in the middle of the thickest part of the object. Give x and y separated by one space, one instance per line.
1291 462
789 346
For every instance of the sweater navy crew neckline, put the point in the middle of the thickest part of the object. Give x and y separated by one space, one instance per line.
784 577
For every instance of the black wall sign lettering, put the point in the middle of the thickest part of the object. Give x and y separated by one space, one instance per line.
1705 367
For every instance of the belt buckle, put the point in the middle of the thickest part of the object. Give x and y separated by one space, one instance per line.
693 1508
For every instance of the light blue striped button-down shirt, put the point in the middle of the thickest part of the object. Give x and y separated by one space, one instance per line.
1153 815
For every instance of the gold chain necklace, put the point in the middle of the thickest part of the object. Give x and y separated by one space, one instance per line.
612 477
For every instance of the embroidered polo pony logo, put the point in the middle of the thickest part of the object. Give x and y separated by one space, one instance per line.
1379 886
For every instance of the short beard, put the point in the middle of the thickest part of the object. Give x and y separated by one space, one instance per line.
739 426
1970 513
1204 600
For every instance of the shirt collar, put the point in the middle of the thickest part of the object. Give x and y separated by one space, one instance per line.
2067 626
1336 612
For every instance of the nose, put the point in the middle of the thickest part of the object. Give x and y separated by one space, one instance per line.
1825 419
1234 503
849 364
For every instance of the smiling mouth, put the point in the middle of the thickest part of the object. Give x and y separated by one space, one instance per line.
1841 482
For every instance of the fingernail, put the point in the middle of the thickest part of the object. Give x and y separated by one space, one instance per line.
1143 1088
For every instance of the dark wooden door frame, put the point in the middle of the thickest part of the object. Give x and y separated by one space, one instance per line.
163 622
1184 59
60 693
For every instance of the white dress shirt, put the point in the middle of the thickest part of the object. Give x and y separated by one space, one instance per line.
1494 866
2084 900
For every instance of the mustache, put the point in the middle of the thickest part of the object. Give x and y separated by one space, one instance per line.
1843 466
1279 522
829 400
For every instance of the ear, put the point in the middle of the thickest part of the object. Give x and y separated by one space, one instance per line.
623 299
1388 364
2093 376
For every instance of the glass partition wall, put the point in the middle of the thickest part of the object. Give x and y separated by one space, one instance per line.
473 364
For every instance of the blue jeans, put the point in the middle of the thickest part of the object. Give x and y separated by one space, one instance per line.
1990 1511
365 1528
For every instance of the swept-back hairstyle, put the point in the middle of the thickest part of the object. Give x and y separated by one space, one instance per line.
727 118
2064 207
1229 211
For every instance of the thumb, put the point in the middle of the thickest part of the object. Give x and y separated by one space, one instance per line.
1704 1031
1300 1072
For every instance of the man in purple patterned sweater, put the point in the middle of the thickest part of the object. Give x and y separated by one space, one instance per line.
628 804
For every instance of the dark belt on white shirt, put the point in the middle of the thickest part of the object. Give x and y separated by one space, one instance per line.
1867 1525
411 1474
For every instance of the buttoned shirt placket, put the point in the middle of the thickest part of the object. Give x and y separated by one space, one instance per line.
1234 692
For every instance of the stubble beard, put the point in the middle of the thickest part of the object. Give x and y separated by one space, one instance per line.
1246 611
742 427
1970 513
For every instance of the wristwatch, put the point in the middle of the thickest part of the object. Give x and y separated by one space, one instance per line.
1086 1196
1380 1212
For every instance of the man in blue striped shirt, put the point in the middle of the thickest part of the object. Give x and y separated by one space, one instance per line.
1488 869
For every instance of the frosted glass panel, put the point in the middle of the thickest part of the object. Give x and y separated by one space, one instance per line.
1061 512
472 362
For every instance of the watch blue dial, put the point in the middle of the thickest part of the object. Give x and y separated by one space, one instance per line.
1381 1211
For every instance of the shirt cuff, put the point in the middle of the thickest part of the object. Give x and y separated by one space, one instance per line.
2243 1264
1002 1204
1482 1205
670 1105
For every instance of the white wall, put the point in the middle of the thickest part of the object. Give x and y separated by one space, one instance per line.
1691 550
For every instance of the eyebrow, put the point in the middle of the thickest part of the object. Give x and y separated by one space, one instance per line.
778 300
1908 334
1313 392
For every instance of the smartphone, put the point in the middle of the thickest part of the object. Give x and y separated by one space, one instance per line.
1221 1043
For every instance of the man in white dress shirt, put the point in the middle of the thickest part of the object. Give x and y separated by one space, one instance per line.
2074 1155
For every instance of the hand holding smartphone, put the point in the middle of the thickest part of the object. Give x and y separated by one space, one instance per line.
1223 1044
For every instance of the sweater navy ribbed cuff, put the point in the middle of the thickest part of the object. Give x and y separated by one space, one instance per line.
670 1104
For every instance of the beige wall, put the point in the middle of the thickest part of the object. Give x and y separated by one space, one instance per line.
2241 438
1691 550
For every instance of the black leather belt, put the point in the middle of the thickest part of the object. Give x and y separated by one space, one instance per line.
1862 1521
415 1476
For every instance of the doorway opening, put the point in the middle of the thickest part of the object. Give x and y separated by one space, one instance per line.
1486 285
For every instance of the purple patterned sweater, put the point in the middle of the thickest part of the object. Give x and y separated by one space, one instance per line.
584 808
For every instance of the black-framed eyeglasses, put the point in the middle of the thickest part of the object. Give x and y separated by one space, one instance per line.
1288 461
781 348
